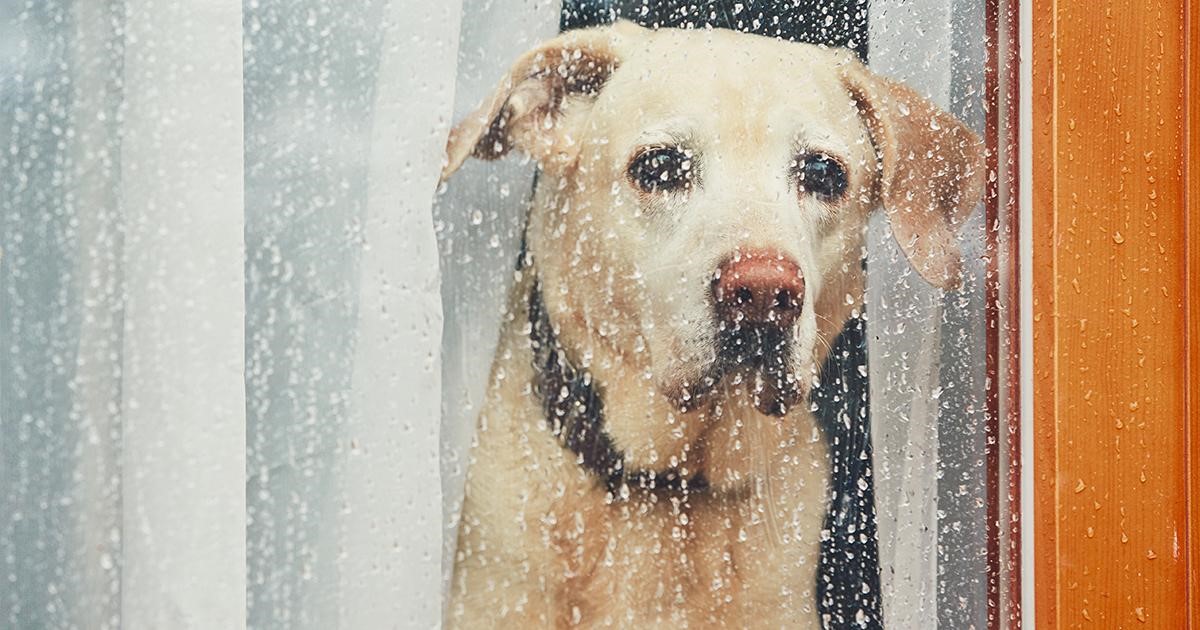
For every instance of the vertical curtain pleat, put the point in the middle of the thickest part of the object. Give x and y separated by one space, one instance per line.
904 315
962 552
311 69
391 517
97 53
928 389
183 400
480 217
54 457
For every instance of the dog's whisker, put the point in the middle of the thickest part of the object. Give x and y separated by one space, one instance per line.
769 494
823 341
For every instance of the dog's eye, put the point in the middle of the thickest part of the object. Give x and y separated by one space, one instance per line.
821 175
662 169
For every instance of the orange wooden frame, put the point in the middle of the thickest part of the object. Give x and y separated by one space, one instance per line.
1116 265
1191 176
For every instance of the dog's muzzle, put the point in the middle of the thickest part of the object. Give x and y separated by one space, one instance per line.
757 298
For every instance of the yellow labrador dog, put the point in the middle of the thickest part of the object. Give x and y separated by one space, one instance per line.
646 456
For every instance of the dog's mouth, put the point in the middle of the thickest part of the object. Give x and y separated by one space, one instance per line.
752 358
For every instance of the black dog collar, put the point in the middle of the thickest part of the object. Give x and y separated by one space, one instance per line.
575 413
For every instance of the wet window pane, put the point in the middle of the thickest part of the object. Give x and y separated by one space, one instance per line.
505 313
636 252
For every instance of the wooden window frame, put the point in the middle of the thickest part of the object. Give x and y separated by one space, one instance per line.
1116 313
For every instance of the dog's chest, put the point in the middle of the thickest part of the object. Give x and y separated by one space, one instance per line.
548 549
542 545
698 563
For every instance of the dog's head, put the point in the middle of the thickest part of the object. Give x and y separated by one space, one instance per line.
699 223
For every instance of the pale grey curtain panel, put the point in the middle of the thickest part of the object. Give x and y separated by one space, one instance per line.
217 262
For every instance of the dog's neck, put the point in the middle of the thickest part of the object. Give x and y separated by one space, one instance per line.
574 410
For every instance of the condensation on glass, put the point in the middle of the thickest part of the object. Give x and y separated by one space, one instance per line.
915 397
649 339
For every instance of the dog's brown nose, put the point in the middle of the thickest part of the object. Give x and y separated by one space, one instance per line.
759 287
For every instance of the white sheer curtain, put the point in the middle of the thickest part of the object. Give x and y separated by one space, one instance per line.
122 407
183 408
480 216
392 515
220 312
904 367
926 354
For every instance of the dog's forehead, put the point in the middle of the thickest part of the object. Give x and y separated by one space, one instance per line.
684 82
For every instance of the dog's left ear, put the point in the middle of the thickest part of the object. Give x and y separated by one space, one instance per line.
525 110
931 171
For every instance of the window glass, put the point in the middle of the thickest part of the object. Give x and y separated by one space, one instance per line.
518 313
902 396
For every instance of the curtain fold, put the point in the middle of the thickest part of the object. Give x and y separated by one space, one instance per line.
391 520
905 367
49 169
217 234
182 382
927 354
97 67
311 72
479 217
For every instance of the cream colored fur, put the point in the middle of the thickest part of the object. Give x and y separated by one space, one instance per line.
625 277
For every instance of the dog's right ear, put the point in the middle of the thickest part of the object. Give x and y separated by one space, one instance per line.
932 170
524 110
